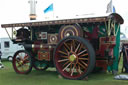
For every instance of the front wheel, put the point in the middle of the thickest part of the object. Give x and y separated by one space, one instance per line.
22 62
74 58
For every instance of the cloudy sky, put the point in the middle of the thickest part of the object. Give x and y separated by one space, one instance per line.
13 11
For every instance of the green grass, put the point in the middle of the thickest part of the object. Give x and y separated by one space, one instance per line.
50 77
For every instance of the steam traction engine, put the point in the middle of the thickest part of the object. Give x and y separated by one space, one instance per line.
74 46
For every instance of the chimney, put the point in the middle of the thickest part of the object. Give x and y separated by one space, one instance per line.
32 9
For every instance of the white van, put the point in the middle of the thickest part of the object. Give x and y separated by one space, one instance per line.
8 48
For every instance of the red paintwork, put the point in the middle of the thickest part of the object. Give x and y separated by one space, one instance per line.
107 43
44 55
102 63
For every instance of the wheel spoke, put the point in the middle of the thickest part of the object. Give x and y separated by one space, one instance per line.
79 69
26 65
77 48
26 57
22 68
84 54
81 52
17 60
62 52
66 49
84 63
81 65
66 67
66 63
66 46
20 56
73 69
63 60
71 48
70 68
80 48
73 44
19 65
27 61
83 58
64 56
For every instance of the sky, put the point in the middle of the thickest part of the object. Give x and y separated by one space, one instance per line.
17 11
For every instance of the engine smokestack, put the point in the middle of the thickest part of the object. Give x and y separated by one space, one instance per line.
32 9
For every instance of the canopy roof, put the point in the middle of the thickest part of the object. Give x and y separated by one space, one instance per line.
85 19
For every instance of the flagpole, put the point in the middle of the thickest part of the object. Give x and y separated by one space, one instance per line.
53 11
111 6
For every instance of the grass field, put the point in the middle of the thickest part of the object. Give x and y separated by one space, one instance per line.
50 77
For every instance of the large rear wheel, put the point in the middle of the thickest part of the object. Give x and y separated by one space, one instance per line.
74 58
22 62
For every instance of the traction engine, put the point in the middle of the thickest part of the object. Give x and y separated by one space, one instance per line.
73 46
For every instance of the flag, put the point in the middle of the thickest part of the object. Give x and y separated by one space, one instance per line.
109 7
114 10
49 8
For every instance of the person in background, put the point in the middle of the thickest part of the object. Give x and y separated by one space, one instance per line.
1 65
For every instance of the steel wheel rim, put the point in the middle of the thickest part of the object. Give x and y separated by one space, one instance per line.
21 62
72 58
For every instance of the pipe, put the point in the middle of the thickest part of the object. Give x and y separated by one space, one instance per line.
38 46
32 9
